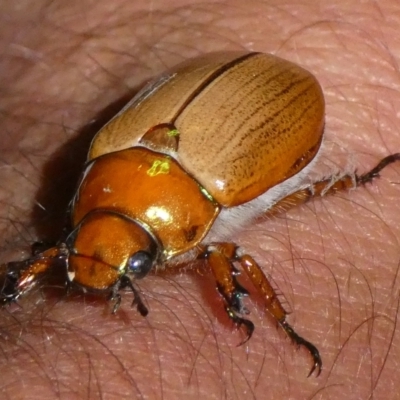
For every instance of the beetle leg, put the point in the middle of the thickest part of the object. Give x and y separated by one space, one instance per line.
330 186
10 273
275 308
220 257
374 173
116 297
22 276
126 282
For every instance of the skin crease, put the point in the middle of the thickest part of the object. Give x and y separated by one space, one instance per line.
335 260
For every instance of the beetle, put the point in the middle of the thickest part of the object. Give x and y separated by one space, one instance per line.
220 138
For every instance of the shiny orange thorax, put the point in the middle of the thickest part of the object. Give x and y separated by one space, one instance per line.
152 189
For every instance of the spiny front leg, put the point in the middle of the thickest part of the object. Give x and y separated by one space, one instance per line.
219 257
275 308
20 277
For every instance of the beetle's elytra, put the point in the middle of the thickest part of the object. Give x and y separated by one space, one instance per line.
221 136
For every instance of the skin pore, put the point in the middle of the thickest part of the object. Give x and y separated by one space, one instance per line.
66 68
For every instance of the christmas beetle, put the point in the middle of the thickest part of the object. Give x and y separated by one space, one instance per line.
207 147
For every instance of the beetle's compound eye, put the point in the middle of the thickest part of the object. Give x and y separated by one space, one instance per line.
140 264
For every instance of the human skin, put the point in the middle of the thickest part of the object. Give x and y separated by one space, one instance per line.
336 260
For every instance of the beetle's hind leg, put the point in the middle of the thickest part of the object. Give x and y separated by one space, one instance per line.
331 185
221 257
374 173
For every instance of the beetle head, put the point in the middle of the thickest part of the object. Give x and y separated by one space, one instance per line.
106 246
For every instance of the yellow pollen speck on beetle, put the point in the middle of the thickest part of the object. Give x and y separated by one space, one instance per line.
173 132
158 167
